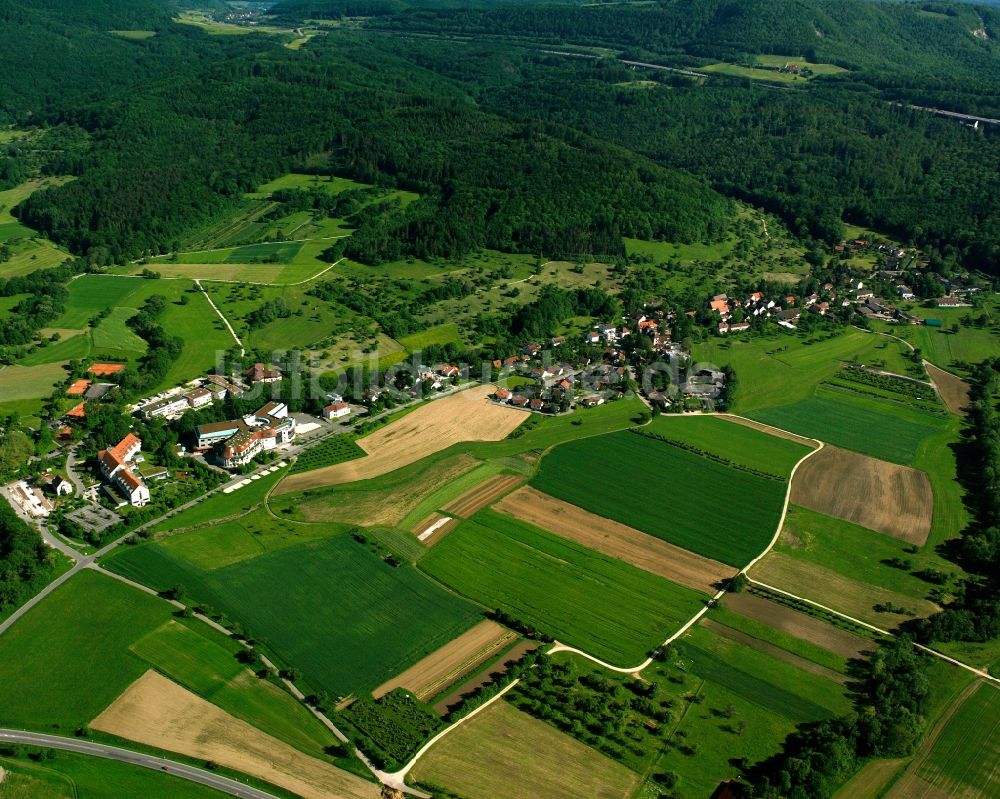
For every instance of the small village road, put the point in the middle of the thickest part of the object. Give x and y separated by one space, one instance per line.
172 767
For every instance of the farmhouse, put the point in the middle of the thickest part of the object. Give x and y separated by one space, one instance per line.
953 302
239 441
258 373
117 465
336 410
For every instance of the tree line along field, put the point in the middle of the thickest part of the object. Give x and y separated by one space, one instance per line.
330 607
71 657
712 509
581 597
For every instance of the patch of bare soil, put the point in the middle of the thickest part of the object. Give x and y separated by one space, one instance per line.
434 426
446 666
892 499
157 712
617 540
801 625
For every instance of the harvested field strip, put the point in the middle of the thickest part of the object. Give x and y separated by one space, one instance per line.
837 591
432 427
871 781
772 650
157 712
798 624
617 540
451 662
892 499
953 390
434 528
771 431
505 754
497 669
482 495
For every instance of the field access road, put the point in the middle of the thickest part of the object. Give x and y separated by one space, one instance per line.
172 767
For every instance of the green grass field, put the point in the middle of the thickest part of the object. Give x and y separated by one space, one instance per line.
963 760
735 442
882 429
337 612
605 607
221 505
856 552
70 657
91 294
113 335
681 497
442 334
776 686
72 776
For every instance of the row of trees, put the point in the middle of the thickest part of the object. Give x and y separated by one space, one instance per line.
25 563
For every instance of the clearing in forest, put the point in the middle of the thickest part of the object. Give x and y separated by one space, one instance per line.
451 662
157 712
892 499
464 416
503 753
617 540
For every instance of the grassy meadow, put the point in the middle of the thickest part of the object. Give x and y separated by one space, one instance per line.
607 608
71 657
717 511
72 776
344 617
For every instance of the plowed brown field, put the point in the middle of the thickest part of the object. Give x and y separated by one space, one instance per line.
892 499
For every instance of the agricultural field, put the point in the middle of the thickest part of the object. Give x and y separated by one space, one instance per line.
157 712
714 510
221 504
737 443
953 390
434 426
534 758
23 387
881 429
321 605
76 652
850 568
444 667
338 449
389 499
783 368
72 776
616 540
581 597
961 760
891 499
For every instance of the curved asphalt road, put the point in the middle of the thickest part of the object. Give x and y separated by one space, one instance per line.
181 770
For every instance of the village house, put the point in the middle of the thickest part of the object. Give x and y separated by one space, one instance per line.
258 373
905 291
336 410
953 302
118 465
503 395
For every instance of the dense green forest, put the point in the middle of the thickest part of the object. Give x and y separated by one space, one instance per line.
514 149
25 562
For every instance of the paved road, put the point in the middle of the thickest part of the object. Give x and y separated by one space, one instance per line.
180 770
